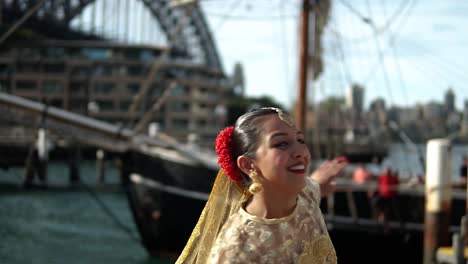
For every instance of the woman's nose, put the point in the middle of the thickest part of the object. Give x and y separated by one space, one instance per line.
299 151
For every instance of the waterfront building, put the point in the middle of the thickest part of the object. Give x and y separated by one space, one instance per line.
182 87
464 126
355 98
449 101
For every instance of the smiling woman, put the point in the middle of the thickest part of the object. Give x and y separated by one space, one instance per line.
264 207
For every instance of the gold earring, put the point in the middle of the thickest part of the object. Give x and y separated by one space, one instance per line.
255 186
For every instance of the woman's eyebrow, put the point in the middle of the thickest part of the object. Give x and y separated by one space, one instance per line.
279 134
282 134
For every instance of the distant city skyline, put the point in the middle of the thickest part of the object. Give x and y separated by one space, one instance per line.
422 46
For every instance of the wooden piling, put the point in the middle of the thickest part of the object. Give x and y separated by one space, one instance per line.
458 248
100 165
330 208
29 170
73 164
464 221
123 174
463 237
438 197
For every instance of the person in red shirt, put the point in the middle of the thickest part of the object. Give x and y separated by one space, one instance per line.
387 204
388 183
464 171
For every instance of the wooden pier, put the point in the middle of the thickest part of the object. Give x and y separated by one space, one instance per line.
447 255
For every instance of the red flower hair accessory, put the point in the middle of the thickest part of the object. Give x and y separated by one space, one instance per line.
223 147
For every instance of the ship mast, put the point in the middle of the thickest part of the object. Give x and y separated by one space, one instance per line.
301 102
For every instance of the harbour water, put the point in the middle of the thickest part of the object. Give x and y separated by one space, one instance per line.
61 224
67 225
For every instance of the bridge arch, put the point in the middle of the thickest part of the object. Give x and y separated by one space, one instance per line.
193 36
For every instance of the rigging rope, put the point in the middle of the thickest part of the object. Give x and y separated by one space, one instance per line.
107 211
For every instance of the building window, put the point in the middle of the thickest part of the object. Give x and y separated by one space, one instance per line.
133 88
55 52
146 55
180 106
103 70
135 71
104 88
4 69
52 87
96 54
77 88
28 53
77 105
23 67
179 123
56 103
125 105
25 85
54 68
80 71
105 105
132 54
180 90
201 123
156 89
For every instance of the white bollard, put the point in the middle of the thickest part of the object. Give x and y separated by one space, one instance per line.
42 144
438 191
153 129
438 175
100 164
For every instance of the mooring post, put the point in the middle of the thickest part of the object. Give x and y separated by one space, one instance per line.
29 169
438 197
458 248
100 165
121 168
42 154
73 163
464 226
330 208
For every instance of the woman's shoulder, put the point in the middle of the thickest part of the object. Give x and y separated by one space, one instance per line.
311 190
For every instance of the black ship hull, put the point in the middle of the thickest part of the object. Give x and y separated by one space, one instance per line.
166 197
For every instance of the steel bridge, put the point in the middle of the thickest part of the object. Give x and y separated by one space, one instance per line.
185 27
128 62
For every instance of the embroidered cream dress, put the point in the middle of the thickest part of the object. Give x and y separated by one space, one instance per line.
300 237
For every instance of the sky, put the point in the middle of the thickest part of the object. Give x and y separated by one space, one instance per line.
411 52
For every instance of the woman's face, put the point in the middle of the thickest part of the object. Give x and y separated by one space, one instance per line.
282 157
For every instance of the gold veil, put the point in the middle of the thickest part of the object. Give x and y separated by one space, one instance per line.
225 199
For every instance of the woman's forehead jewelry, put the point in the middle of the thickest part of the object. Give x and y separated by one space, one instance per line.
282 115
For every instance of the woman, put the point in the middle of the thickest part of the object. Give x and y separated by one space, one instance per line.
263 208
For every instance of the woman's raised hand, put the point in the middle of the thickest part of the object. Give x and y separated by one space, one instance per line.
326 174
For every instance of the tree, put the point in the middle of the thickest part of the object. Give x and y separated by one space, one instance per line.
238 105
331 104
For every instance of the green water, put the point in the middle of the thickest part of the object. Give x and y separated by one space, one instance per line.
65 225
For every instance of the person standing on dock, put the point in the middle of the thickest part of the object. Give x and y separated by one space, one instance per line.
463 170
361 174
264 206
388 191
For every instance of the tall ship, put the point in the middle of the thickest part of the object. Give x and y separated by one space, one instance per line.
157 108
